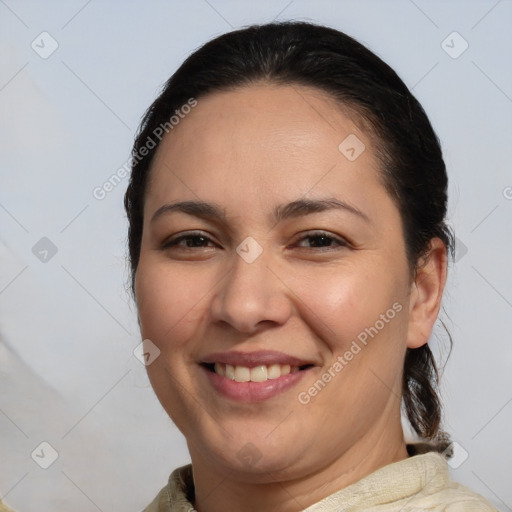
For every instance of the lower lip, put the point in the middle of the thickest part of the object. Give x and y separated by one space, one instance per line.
253 391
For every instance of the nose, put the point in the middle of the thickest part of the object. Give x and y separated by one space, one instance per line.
251 296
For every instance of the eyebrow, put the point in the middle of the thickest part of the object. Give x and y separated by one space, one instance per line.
299 208
303 207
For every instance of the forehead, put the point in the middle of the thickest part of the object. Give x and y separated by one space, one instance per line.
272 140
297 116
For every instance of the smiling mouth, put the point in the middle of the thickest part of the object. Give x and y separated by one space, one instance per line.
259 373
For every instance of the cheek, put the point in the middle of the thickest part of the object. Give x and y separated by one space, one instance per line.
169 304
361 319
345 303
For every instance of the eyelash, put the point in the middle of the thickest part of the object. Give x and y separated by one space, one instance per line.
173 242
341 243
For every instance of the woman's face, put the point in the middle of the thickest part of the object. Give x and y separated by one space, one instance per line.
275 257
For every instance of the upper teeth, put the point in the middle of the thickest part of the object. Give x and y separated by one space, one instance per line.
256 374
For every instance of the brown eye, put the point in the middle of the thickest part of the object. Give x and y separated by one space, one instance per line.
188 241
321 240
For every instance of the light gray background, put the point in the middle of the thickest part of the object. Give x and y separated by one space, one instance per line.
67 371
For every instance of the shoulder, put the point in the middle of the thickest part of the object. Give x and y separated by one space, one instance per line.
5 508
159 504
459 498
442 493
177 495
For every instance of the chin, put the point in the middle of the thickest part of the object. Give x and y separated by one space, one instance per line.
252 458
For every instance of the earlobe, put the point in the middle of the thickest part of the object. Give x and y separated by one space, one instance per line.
426 294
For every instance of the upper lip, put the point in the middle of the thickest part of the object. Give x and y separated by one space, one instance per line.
251 359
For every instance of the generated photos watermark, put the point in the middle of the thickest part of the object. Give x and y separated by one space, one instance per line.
357 345
101 191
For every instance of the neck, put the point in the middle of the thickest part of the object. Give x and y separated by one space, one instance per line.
220 489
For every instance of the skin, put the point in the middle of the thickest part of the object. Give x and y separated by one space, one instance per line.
248 151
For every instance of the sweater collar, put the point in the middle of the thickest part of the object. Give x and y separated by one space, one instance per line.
397 482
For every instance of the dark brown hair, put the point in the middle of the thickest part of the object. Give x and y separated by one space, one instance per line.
413 170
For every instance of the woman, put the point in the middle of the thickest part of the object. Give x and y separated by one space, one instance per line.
289 252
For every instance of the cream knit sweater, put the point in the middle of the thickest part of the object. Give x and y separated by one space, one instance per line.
419 483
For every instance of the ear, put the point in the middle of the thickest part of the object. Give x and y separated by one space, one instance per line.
426 294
